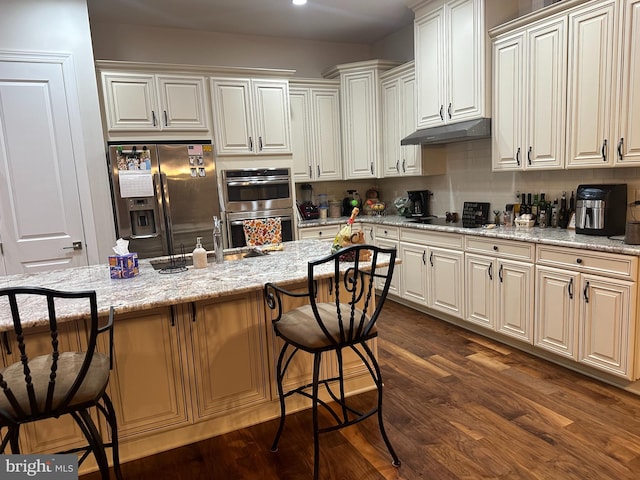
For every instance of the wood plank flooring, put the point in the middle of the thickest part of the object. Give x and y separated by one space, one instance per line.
457 406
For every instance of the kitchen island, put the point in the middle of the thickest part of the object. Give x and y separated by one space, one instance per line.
194 352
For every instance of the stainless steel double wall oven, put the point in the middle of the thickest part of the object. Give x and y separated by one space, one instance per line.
257 193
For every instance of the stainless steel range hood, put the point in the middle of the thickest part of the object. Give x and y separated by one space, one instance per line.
454 132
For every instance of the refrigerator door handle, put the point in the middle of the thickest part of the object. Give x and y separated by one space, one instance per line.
139 237
167 211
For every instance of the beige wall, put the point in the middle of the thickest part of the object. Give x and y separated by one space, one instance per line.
62 26
166 45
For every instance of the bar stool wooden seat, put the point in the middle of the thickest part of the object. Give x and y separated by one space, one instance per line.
58 382
346 322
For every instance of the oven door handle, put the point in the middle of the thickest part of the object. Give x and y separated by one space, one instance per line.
284 218
244 183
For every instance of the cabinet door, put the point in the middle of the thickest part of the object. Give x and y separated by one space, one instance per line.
147 383
445 281
131 102
480 290
411 163
557 310
413 274
360 124
325 103
508 101
607 334
430 68
390 116
319 233
229 352
183 103
465 60
51 435
394 288
233 126
546 77
514 315
628 138
271 104
301 145
591 42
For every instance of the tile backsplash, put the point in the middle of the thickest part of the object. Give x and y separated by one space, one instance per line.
469 178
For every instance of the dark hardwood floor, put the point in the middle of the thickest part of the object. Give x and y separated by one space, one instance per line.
457 406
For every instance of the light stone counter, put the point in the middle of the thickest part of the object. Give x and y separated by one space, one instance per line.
547 236
152 289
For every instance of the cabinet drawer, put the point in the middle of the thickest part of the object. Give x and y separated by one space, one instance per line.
383 231
431 238
319 233
602 263
501 248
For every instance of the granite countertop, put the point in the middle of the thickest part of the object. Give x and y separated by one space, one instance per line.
150 288
547 236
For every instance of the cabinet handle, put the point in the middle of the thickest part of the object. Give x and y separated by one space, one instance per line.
424 260
250 144
604 150
518 156
578 261
371 167
431 259
310 172
529 155
153 117
318 167
441 112
173 316
495 248
260 143
404 170
397 166
449 110
585 292
570 289
490 271
5 342
371 234
193 312
620 143
500 273
166 119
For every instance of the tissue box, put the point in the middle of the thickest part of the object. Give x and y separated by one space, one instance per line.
123 266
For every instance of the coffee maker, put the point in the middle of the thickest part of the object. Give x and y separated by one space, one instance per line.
601 209
419 203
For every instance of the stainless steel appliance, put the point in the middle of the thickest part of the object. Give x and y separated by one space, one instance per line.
164 196
257 193
419 203
601 209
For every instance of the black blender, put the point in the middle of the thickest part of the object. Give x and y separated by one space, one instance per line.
307 209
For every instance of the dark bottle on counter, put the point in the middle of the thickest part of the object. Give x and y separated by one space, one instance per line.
535 207
563 219
554 213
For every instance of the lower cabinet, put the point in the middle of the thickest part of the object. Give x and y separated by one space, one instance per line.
327 232
387 237
586 308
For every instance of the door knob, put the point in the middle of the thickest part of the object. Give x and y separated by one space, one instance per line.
74 246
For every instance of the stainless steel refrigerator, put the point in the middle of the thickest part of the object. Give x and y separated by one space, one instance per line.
164 196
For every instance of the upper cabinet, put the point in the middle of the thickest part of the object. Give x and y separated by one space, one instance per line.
398 121
251 116
452 58
529 92
144 102
315 130
591 92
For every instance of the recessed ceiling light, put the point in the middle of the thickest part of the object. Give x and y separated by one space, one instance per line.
299 2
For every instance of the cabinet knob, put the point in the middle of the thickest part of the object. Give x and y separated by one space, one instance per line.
578 260
495 248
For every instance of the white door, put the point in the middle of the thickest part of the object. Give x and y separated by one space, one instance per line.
39 148
430 65
390 118
515 300
445 281
326 133
271 106
411 160
301 134
183 103
413 276
131 102
480 290
232 125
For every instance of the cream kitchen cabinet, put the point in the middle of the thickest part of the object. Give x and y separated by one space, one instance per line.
586 307
360 116
628 101
398 120
452 58
529 97
315 130
388 237
499 285
326 232
145 102
251 116
432 270
591 85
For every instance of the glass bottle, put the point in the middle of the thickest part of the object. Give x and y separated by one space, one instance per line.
218 247
199 255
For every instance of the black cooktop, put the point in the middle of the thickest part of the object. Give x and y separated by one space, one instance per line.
438 221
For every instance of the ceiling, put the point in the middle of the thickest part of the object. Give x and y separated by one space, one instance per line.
349 21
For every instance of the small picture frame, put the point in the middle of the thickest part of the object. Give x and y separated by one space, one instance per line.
572 221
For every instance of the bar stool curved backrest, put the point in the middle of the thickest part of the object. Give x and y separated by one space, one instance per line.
341 318
55 382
